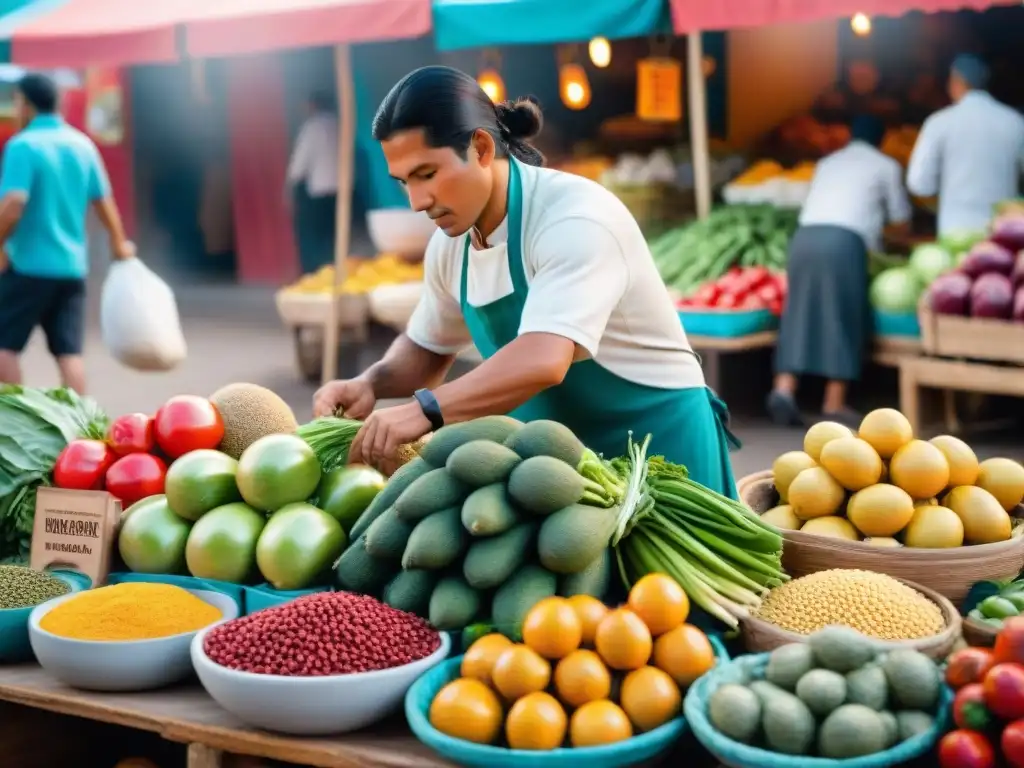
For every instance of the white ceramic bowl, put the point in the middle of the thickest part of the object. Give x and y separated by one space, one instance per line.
401 231
310 706
132 665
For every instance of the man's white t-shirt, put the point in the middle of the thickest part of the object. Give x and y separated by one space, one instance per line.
591 279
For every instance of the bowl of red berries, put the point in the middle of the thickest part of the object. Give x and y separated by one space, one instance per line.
327 663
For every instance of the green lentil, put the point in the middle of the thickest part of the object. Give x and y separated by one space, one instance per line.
22 587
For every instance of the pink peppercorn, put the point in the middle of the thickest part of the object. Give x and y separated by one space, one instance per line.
329 633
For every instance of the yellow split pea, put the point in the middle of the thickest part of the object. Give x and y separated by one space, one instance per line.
131 611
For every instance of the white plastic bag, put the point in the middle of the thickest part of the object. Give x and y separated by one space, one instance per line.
139 318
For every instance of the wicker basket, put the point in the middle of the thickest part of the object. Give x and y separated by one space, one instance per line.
950 572
655 205
299 309
979 634
760 636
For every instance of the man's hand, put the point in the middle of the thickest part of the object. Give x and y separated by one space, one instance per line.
355 397
385 430
124 251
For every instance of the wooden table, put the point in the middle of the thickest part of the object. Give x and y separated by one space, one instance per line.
187 715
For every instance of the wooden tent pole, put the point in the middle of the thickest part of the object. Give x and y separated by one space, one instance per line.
697 89
343 212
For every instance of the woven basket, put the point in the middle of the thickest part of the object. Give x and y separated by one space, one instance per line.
760 636
950 572
979 634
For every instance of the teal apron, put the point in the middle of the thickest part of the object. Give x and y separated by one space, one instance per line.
687 426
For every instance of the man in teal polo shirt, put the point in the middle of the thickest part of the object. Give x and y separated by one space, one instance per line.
51 175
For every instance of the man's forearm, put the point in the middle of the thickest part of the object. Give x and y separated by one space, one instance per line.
406 367
11 209
109 216
516 373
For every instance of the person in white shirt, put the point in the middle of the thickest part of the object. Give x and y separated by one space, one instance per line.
826 324
313 183
547 274
969 154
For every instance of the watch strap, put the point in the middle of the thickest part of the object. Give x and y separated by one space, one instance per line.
430 407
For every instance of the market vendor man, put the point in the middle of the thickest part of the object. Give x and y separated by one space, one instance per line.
969 154
547 274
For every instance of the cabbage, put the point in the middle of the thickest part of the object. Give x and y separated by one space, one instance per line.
896 291
956 242
929 261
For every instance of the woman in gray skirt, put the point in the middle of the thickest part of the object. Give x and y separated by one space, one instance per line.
826 325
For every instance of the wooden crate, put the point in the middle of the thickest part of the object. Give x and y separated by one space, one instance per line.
970 338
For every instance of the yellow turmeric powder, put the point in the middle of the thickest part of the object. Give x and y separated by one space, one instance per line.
130 611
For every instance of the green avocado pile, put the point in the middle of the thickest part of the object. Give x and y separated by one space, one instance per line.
835 696
493 516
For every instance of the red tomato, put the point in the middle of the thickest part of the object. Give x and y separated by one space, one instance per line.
781 280
727 301
969 710
752 301
1010 641
131 434
966 749
1012 743
1004 691
136 476
82 465
755 277
769 292
187 423
968 665
706 295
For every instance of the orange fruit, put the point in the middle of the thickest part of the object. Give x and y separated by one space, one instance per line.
590 611
685 653
479 659
552 628
581 677
650 698
660 602
520 670
536 721
597 723
467 709
623 640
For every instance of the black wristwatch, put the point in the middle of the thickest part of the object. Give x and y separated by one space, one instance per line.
429 406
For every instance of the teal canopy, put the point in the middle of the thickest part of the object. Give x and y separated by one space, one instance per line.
479 23
14 14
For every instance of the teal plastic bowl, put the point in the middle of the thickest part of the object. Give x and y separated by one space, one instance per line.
14 643
727 324
265 596
235 591
737 755
638 749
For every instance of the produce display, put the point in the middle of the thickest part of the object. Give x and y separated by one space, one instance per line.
129 611
766 181
839 696
883 486
362 276
740 289
1008 601
329 633
22 587
37 426
585 675
873 604
988 709
730 236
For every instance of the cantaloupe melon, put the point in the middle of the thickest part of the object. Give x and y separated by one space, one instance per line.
985 521
934 527
785 469
852 462
1004 479
963 463
831 526
887 430
880 510
820 434
920 469
782 517
814 493
250 412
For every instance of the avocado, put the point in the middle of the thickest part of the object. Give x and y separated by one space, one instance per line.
914 679
787 664
822 690
735 711
868 686
853 730
787 722
841 649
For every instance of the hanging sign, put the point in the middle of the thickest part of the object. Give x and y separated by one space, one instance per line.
104 106
75 530
659 90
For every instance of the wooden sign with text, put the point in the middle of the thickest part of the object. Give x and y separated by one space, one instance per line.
75 530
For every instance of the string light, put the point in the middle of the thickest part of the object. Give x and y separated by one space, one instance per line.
573 86
600 52
861 24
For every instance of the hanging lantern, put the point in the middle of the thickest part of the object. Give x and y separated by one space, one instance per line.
659 88
861 24
492 84
573 86
600 52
